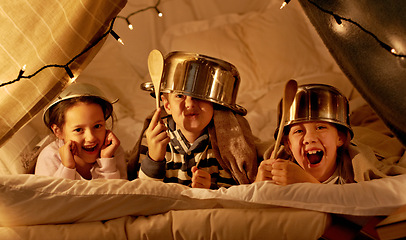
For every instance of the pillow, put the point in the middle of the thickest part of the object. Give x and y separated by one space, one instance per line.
38 200
370 198
27 199
66 201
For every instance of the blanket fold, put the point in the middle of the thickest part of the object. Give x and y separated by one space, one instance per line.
234 145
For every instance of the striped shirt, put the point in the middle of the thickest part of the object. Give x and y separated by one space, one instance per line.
180 157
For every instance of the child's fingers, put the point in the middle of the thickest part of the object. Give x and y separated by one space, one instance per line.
266 165
200 174
73 148
111 139
200 178
67 152
155 118
159 128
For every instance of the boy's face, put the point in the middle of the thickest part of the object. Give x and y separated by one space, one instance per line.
85 126
191 115
314 147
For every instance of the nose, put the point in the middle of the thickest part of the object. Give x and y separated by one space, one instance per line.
310 136
190 102
90 136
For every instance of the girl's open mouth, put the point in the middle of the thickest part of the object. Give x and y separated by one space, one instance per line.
89 149
315 156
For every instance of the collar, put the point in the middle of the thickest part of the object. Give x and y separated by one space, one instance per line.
179 141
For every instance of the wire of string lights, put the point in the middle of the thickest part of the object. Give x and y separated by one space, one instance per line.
339 19
65 66
127 18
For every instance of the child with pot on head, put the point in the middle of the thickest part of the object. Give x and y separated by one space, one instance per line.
84 148
204 141
316 144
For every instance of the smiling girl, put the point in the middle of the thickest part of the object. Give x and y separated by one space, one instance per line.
84 148
316 137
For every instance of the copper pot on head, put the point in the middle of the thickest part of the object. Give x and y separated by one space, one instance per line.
201 77
318 102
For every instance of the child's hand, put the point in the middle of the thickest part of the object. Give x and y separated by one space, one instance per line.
265 170
67 153
157 138
286 172
200 178
111 143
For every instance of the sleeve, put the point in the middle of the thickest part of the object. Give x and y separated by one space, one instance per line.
49 164
111 168
151 169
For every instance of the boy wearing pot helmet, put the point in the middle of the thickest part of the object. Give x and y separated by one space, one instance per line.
316 139
205 141
84 148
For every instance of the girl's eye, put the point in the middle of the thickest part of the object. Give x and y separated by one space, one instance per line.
77 130
97 126
296 130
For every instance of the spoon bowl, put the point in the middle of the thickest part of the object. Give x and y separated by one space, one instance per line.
155 67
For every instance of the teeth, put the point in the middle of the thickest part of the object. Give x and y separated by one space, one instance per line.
89 147
313 151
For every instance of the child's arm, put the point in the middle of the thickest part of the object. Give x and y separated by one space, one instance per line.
283 172
111 164
265 170
286 172
111 143
49 163
157 138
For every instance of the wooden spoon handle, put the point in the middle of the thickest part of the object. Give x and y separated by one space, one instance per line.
288 97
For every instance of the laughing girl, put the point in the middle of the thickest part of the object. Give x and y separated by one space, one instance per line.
316 137
84 148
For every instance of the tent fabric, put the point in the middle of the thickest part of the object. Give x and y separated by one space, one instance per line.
45 36
361 41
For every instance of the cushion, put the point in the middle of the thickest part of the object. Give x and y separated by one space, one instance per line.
67 201
370 198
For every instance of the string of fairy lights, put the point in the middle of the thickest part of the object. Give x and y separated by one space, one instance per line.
127 18
65 66
339 19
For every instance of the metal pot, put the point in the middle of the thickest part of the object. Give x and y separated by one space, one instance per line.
79 90
201 77
318 102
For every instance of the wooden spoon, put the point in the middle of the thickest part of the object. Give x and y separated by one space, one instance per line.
288 97
156 67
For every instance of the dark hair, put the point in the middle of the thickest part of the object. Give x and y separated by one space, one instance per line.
57 112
